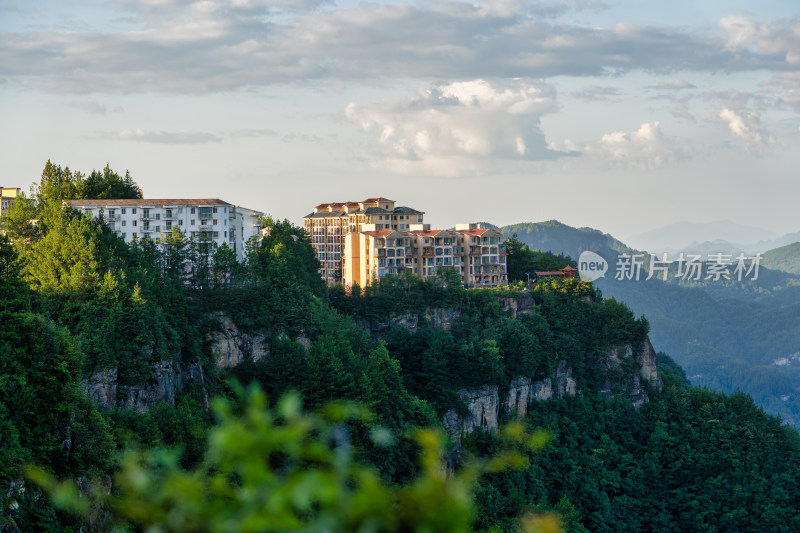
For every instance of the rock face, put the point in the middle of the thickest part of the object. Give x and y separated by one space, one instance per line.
519 396
103 388
521 305
231 347
558 386
160 388
483 409
442 317
643 362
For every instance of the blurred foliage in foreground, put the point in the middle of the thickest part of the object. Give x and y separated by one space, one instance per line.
277 469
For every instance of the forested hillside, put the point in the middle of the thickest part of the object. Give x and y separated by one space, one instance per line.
728 335
106 347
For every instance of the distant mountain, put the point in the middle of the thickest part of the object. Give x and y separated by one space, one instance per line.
789 238
727 335
559 238
786 258
677 236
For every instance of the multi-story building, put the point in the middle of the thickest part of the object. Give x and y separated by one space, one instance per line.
475 252
7 197
208 218
485 256
329 224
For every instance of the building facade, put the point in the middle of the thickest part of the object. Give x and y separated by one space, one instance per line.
207 218
7 197
476 253
329 224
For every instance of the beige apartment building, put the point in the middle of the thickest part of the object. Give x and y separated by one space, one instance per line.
329 224
475 252
7 197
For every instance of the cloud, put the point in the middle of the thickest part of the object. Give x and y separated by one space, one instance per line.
597 92
679 110
745 126
779 38
160 137
645 148
253 133
676 85
449 128
183 46
94 108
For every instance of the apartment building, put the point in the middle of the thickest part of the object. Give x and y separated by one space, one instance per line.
475 252
7 197
485 256
329 224
209 218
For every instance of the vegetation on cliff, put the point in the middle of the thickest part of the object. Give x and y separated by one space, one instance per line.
76 301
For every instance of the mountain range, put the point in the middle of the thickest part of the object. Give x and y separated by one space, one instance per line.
727 335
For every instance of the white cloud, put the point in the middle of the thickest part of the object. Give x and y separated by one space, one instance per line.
597 92
675 85
781 37
160 137
94 108
745 126
448 129
645 148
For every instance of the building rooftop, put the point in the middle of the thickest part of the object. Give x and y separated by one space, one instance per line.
147 201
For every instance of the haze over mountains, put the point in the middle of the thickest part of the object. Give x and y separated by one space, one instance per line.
727 335
720 236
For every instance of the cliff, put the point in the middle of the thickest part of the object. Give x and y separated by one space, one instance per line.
623 370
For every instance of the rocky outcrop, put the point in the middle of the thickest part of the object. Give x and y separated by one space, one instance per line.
101 387
443 318
647 359
560 385
168 378
483 409
231 347
625 370
519 305
519 396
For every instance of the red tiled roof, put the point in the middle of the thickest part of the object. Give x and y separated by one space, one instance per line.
147 201
381 199
474 231
570 268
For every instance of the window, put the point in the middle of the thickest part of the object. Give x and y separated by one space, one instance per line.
123 236
146 225
215 222
192 219
110 213
123 210
158 228
124 222
134 224
225 234
180 222
133 212
214 210
146 213
168 213
158 216
168 225
193 210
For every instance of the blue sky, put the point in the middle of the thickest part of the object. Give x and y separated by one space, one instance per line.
623 116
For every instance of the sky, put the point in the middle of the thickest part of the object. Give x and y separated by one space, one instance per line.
620 115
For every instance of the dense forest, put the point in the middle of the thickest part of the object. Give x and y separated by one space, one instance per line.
77 302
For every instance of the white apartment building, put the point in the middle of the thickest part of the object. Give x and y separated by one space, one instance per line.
209 218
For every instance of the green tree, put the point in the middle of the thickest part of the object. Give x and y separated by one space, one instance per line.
280 469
